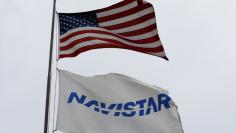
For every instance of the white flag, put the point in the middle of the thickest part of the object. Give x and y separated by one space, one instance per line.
114 103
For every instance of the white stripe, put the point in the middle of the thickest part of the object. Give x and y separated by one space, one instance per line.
81 29
127 18
138 37
160 54
136 27
93 42
144 36
76 47
135 37
117 10
147 45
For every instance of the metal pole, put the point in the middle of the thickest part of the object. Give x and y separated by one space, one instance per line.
49 71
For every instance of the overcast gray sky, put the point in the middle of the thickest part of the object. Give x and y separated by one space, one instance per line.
198 36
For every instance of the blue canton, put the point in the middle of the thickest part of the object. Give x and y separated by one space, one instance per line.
70 21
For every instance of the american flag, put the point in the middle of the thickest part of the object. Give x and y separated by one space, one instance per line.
126 25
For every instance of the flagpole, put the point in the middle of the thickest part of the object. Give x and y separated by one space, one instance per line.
49 71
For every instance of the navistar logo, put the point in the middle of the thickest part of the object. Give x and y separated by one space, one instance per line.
129 109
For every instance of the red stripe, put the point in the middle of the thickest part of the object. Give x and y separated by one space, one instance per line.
123 3
140 2
77 33
126 34
131 23
86 48
139 31
124 13
108 45
141 41
115 43
90 38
